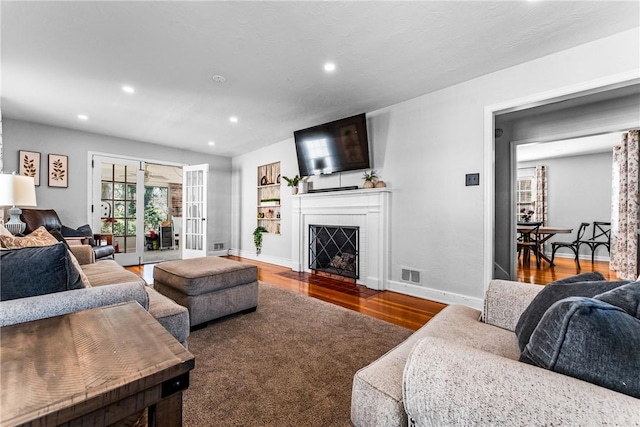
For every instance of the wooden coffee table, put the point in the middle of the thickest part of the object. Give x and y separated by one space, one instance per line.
93 367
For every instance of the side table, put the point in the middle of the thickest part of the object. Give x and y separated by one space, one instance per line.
93 367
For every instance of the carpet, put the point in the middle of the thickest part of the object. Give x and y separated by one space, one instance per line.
291 362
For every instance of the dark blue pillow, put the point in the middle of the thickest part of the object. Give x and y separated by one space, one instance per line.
627 297
35 271
591 340
582 285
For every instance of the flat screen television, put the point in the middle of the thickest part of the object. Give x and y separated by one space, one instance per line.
337 146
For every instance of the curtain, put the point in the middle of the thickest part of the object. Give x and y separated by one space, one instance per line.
625 211
542 203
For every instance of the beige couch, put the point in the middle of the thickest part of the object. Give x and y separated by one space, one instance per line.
110 284
458 370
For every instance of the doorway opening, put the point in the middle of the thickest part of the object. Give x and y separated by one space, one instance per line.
162 212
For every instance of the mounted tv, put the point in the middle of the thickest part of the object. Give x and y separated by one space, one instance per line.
337 146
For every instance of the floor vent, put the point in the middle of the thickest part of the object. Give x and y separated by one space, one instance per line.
218 246
412 276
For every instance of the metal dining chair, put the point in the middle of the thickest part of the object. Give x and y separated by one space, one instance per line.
574 246
530 241
601 236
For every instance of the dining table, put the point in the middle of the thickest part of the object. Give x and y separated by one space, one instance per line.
546 233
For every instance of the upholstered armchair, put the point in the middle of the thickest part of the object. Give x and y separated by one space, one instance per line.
48 218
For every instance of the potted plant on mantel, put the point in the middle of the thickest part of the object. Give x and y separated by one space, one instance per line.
293 183
371 180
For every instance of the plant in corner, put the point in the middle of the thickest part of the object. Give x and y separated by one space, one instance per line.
293 183
369 179
257 238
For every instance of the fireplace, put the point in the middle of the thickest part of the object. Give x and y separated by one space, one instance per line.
334 250
368 210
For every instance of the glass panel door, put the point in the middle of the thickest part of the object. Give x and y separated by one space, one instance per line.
194 210
116 203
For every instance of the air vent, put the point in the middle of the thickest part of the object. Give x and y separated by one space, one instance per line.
218 246
411 275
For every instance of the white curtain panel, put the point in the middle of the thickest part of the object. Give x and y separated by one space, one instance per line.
542 203
625 210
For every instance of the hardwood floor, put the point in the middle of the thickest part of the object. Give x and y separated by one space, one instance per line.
403 310
564 267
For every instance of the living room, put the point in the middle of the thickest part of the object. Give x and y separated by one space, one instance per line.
423 143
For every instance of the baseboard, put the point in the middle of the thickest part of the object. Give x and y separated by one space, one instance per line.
223 252
262 257
586 257
434 294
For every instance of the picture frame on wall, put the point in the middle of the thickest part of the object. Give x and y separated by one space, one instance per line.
58 170
29 162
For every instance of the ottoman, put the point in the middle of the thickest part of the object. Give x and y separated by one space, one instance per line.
209 287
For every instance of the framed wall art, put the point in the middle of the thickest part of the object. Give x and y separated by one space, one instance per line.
58 170
29 162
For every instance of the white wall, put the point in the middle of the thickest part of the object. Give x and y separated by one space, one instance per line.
71 203
579 190
424 147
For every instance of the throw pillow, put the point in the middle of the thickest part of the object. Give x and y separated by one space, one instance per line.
37 270
627 297
4 231
58 236
39 237
581 285
83 277
591 340
82 231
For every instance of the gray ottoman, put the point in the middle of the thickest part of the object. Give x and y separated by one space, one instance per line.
209 287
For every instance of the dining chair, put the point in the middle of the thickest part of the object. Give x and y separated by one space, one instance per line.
530 240
574 246
601 236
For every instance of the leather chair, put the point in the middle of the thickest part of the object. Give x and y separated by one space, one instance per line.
35 218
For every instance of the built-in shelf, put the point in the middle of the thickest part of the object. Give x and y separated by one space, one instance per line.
268 185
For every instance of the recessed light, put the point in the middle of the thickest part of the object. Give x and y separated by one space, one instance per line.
212 143
83 117
128 89
233 119
329 67
218 78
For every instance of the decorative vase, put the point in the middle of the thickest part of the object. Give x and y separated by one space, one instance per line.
294 190
368 184
380 184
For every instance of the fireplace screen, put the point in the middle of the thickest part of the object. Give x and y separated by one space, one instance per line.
334 249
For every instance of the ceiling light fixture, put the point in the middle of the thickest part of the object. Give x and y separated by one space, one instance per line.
83 117
212 143
329 67
233 119
218 78
128 89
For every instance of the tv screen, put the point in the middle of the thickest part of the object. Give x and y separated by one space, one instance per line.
337 146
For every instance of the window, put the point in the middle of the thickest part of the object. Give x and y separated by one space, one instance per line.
156 207
525 193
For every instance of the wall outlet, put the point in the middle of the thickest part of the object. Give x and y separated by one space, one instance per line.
472 179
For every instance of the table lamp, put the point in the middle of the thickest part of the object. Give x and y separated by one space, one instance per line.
16 190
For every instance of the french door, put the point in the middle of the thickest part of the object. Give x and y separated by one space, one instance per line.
117 205
194 210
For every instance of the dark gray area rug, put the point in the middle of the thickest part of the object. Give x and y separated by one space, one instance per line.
289 363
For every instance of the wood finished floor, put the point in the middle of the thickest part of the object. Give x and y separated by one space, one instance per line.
403 310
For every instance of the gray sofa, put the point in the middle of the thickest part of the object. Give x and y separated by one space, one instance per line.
459 370
110 284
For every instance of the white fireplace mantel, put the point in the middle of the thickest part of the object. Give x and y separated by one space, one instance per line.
367 209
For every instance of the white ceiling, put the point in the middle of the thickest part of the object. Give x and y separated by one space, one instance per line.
568 147
61 59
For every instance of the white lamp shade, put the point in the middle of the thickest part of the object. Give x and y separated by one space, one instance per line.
17 190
